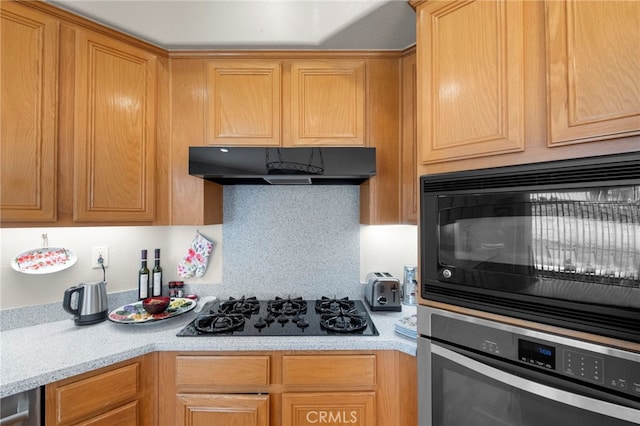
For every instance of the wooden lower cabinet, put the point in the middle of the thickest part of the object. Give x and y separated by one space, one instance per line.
366 388
228 410
335 408
276 388
123 394
125 415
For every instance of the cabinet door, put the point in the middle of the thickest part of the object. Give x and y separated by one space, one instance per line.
114 146
207 410
593 50
328 103
470 79
243 103
335 408
28 77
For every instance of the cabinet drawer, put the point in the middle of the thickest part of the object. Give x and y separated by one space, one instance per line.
126 415
105 390
329 370
222 370
345 408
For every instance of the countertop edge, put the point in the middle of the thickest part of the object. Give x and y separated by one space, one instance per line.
38 355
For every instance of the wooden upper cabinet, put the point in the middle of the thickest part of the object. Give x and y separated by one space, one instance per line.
260 102
114 138
28 76
327 103
471 81
244 102
194 201
409 178
593 69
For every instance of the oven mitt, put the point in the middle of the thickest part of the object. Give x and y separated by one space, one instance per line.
195 262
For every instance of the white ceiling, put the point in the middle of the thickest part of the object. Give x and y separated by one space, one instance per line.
257 24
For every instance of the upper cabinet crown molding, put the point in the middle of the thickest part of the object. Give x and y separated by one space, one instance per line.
77 21
593 64
28 145
415 3
471 85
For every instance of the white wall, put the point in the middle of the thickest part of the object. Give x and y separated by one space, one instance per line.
387 249
301 225
18 289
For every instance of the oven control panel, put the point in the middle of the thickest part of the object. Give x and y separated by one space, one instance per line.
597 368
600 369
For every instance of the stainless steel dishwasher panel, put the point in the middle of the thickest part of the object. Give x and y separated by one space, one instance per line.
22 409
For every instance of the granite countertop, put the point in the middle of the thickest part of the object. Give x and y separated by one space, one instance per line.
44 353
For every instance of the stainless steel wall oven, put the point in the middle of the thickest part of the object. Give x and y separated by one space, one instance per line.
476 372
555 242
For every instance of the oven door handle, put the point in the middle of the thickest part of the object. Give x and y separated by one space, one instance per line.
568 398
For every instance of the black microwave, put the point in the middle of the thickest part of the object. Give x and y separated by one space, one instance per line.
555 242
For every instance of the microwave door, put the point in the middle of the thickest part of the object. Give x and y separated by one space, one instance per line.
485 238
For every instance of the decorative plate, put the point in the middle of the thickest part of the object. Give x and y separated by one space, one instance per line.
44 260
134 313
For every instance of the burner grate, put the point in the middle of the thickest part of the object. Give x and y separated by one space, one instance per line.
344 321
244 306
288 306
216 323
334 305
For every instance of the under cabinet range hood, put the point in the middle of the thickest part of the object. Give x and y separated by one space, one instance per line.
283 166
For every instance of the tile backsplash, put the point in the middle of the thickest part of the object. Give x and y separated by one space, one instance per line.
292 240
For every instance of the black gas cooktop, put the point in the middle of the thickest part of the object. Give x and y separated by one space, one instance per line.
248 316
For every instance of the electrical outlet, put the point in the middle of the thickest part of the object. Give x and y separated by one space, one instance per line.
100 257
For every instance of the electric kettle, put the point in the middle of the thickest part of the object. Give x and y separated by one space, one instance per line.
90 305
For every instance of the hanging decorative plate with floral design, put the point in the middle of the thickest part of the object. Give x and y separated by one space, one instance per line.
44 260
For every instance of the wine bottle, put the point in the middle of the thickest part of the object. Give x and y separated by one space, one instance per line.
143 277
157 276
